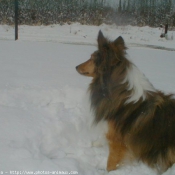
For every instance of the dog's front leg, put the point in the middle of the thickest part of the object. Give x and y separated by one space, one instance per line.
117 149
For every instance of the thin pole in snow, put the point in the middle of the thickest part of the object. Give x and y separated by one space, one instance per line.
16 19
166 28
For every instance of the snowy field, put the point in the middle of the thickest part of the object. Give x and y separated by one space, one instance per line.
45 118
83 34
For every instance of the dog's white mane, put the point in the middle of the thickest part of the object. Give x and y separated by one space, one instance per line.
138 83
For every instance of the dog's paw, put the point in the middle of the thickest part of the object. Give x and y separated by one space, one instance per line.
97 143
100 142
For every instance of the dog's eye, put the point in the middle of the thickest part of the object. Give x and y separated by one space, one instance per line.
97 60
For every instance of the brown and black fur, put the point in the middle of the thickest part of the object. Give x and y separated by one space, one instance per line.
145 128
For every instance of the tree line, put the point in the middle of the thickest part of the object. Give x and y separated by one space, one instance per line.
90 12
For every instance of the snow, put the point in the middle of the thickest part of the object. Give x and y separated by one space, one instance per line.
46 122
83 34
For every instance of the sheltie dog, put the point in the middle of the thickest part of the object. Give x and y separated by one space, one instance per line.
141 119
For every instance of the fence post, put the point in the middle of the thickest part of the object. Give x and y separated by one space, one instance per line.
16 19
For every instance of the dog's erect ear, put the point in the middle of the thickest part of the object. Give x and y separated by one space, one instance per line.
101 40
119 42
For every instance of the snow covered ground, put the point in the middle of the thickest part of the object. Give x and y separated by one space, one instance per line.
45 118
83 34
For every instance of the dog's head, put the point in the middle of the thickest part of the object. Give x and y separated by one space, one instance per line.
108 55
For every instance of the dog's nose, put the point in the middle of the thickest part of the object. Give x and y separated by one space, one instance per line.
76 67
